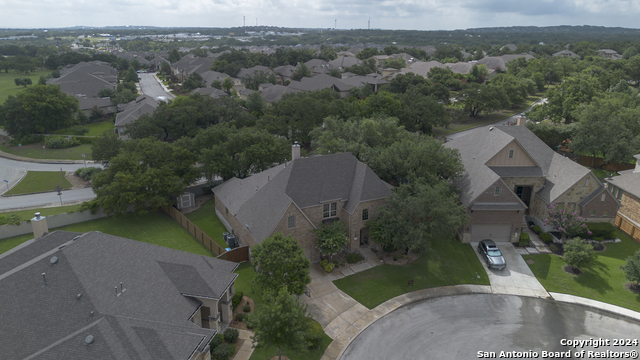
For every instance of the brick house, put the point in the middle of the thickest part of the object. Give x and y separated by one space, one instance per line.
296 197
69 295
626 189
510 173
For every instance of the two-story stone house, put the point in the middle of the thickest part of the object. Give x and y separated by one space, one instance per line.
299 196
626 188
510 172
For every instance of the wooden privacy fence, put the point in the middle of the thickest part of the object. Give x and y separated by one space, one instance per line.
629 227
237 255
585 160
194 230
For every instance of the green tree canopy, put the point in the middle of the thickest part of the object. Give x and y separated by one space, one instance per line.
331 238
38 109
631 268
280 262
193 82
147 174
280 321
578 254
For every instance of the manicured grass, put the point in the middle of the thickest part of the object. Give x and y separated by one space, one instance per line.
604 282
207 220
10 243
448 262
486 119
602 174
40 181
95 129
28 214
8 87
154 228
35 151
243 283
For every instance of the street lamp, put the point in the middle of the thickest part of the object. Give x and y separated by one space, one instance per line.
85 161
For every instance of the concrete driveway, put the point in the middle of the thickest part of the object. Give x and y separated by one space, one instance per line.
516 279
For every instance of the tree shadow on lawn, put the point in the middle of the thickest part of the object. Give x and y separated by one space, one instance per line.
541 264
593 280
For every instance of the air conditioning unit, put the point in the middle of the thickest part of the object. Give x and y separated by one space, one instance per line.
225 236
231 241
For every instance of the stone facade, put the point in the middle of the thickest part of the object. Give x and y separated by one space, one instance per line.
305 221
630 206
497 217
536 182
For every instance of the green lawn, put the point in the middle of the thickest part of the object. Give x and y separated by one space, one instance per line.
602 174
10 243
35 151
40 181
448 262
207 220
243 283
95 129
486 119
153 228
28 214
604 282
8 87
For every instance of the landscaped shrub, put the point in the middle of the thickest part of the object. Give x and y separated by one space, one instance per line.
598 238
231 335
314 334
246 308
524 239
26 140
59 142
240 316
536 229
88 173
223 352
546 237
78 130
216 341
604 230
86 140
354 258
11 219
327 266
236 299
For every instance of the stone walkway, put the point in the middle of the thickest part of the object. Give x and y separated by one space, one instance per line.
538 246
245 351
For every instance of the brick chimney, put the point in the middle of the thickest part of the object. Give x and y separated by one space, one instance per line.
39 226
295 151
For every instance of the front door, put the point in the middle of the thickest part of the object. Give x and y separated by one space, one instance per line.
206 312
524 193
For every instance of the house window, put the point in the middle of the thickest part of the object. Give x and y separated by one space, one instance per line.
291 221
619 196
602 197
511 154
227 210
329 210
365 214
593 213
586 182
496 191
605 212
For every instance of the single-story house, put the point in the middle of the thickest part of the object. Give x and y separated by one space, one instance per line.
79 296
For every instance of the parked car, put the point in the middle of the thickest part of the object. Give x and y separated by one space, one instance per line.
492 254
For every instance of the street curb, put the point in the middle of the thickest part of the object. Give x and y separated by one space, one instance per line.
397 302
39 161
14 185
34 193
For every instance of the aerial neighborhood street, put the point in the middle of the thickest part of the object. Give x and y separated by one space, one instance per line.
294 193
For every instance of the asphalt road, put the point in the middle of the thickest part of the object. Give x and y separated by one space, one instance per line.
511 119
46 199
459 327
12 170
150 86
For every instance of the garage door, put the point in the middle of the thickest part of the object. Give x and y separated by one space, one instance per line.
494 232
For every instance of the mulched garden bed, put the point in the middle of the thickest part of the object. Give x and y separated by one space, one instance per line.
239 309
571 270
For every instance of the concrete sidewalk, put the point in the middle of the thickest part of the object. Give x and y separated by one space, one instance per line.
516 279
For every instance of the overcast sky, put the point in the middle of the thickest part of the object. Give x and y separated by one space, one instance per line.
350 14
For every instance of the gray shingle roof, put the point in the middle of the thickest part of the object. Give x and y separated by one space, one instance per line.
212 92
149 315
260 201
481 145
86 78
141 105
275 92
250 71
319 82
627 181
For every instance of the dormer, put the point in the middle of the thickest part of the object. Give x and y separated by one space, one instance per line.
512 155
